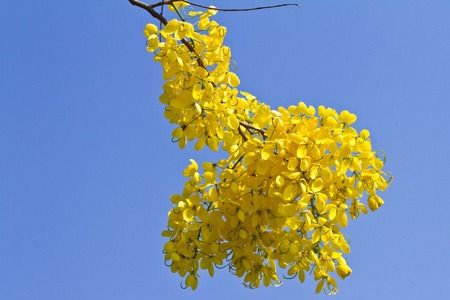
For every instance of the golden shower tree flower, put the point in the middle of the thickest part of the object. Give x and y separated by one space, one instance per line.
289 181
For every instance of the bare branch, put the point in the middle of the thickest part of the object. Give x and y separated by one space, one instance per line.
243 9
242 134
167 2
149 8
248 127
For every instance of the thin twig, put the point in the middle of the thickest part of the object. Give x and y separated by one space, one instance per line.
226 9
244 9
242 134
248 126
149 8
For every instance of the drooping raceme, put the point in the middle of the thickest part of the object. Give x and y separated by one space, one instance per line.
292 179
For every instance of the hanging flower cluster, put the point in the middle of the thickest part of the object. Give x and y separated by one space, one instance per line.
292 179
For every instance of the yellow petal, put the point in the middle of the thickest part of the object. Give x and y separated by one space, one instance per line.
317 185
150 29
344 246
293 249
262 167
191 169
301 275
200 144
178 132
233 121
152 43
279 181
267 151
343 220
233 80
319 286
241 215
182 142
169 246
209 177
289 191
213 195
347 118
172 26
377 163
167 233
321 200
243 234
175 256
304 163
202 214
292 270
211 270
364 134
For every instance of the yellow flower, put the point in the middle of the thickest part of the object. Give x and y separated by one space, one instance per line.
150 29
343 271
281 195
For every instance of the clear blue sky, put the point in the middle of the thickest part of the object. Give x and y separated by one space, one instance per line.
87 164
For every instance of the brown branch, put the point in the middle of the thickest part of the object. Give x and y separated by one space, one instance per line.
248 127
149 8
167 2
242 134
243 9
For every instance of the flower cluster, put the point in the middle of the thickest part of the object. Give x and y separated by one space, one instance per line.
292 178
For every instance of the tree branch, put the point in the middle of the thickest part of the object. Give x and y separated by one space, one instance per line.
243 9
149 8
242 134
224 9
248 127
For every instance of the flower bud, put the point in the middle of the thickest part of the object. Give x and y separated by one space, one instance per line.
343 271
372 202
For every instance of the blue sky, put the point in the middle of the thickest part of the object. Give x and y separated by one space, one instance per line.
87 164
